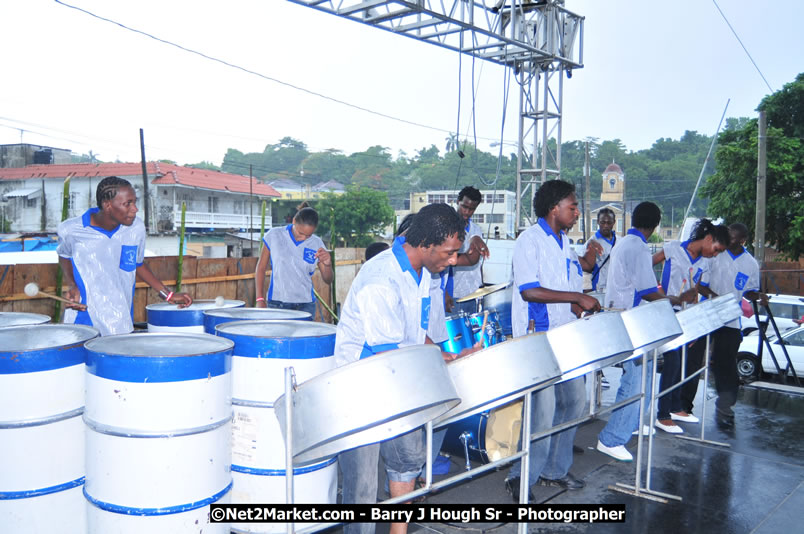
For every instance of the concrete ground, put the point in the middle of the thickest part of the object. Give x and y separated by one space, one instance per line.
754 486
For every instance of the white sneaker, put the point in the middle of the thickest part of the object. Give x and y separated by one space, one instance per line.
618 453
645 430
689 418
672 429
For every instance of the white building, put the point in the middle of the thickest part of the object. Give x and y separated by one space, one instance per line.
494 214
31 197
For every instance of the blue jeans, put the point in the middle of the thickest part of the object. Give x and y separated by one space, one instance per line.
404 457
308 307
551 456
671 375
624 421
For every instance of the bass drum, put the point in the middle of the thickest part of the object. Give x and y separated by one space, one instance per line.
488 436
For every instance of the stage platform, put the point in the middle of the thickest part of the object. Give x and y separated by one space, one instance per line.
754 486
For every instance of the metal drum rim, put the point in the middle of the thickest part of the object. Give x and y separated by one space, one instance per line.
223 327
225 344
74 344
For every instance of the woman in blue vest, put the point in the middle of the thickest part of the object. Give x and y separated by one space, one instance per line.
293 252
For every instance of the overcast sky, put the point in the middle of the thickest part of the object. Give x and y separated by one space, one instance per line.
652 69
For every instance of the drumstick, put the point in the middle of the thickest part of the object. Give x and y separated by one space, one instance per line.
32 290
483 328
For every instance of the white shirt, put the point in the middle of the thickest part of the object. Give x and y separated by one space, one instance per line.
679 266
437 328
466 280
104 270
292 265
734 274
630 275
600 274
542 259
388 307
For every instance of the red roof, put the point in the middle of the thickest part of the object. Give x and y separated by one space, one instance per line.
166 174
613 167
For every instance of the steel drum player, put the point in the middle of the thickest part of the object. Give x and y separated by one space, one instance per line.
101 254
547 294
466 276
630 281
686 264
388 307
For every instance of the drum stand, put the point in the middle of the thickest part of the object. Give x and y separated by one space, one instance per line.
290 385
646 492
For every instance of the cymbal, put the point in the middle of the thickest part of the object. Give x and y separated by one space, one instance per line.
483 291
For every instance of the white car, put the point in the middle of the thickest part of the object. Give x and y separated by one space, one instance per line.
785 308
749 366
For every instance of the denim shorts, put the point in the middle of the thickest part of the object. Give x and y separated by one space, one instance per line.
404 456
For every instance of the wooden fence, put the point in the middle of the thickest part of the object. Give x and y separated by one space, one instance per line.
202 278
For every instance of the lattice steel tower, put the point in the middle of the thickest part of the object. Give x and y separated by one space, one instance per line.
540 39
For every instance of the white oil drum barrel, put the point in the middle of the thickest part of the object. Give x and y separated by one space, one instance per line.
22 318
166 317
158 417
262 351
213 318
41 431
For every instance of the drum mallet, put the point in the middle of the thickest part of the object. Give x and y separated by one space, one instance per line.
483 328
32 290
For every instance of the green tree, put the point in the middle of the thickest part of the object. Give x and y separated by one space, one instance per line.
732 190
358 215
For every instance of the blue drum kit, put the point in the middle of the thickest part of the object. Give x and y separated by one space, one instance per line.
465 330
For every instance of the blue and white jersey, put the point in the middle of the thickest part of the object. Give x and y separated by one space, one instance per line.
631 273
104 269
679 266
600 274
292 265
465 280
388 307
734 274
437 329
542 259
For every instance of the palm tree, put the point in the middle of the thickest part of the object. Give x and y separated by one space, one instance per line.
452 142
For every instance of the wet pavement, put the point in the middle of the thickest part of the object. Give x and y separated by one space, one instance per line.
756 485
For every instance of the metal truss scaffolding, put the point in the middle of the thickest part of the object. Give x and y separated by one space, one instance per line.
540 39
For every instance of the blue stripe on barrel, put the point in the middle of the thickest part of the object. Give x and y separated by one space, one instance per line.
280 339
164 314
159 357
213 318
34 348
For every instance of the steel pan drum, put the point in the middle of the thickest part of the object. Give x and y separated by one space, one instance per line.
213 318
651 325
500 373
727 308
589 344
696 320
367 401
167 317
21 318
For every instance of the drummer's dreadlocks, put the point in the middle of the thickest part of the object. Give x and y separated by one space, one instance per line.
549 195
433 225
108 187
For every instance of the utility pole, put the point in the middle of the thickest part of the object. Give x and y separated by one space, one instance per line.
250 211
587 212
146 200
762 167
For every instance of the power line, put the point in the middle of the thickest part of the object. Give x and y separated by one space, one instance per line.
252 72
741 44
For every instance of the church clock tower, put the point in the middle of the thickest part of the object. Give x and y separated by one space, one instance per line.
613 184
